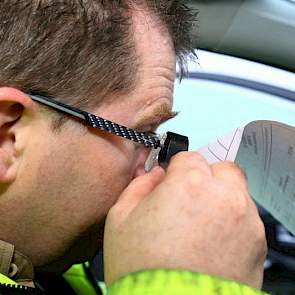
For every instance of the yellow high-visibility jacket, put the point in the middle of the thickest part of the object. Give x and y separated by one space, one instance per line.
146 282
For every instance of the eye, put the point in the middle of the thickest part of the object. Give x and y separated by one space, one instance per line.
150 129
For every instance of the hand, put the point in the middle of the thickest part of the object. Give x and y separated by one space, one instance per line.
196 216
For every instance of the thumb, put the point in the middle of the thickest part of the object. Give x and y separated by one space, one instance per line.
138 189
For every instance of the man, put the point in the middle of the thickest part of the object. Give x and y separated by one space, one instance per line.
60 178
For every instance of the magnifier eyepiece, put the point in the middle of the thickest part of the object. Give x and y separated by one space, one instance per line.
173 144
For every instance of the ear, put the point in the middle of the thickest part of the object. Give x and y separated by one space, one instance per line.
14 105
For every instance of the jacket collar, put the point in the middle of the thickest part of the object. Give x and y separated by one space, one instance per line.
15 265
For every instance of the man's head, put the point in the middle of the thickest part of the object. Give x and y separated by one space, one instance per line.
74 49
114 58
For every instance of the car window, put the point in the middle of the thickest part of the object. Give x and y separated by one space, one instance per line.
209 109
214 102
211 62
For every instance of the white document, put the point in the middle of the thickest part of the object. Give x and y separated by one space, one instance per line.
265 151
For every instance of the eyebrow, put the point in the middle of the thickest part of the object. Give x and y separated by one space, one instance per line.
157 116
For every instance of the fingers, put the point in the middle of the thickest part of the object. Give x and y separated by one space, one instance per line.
184 162
159 212
193 165
188 163
229 172
138 189
187 160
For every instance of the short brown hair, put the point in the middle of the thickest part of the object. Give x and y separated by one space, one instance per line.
72 49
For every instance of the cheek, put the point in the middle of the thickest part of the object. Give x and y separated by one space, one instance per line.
81 184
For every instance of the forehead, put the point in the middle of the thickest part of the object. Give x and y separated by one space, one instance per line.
156 68
153 42
151 98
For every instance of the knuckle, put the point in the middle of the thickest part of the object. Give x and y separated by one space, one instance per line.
187 163
241 174
240 207
260 230
180 157
188 157
261 237
232 169
195 177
